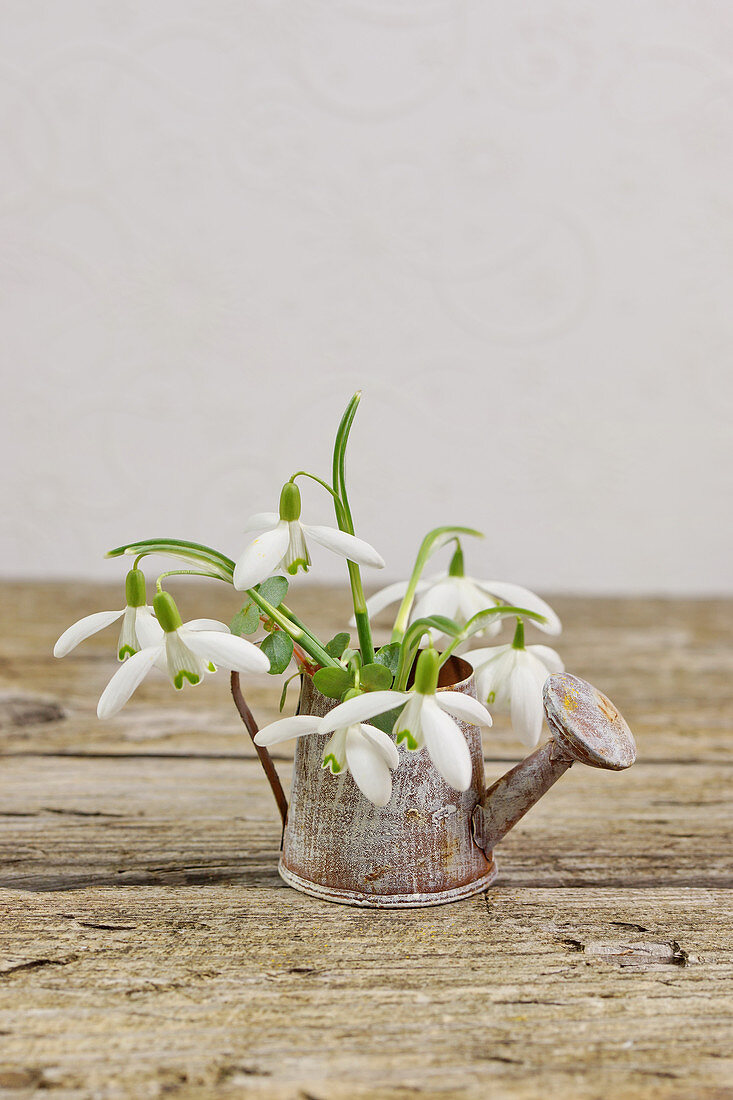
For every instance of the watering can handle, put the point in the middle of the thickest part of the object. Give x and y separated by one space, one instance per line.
265 759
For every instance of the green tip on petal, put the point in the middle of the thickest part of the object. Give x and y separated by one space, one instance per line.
167 614
491 698
135 588
426 673
405 735
126 651
294 566
290 502
332 764
184 674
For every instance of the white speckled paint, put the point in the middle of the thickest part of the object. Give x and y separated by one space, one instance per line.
418 850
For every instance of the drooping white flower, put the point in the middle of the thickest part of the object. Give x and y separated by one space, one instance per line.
512 678
426 720
368 753
140 628
186 651
458 597
283 543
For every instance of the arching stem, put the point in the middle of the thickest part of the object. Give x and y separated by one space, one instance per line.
265 759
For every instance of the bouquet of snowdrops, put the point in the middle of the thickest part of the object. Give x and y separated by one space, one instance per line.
384 697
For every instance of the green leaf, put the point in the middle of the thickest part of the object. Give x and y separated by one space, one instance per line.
389 656
375 677
274 590
333 682
385 722
278 647
246 620
337 645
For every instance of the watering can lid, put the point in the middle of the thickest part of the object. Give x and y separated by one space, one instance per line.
588 722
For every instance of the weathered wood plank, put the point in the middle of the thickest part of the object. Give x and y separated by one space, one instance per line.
666 664
68 822
228 991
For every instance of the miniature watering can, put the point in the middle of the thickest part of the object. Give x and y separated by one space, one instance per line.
432 844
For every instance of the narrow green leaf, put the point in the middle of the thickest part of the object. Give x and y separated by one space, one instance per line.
375 677
274 590
246 620
389 656
286 685
333 682
338 644
278 647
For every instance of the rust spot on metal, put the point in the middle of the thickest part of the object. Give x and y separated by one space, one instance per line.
607 707
378 872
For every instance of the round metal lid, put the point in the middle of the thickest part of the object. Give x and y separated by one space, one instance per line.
588 723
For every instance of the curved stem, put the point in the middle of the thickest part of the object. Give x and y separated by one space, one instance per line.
432 542
186 573
265 759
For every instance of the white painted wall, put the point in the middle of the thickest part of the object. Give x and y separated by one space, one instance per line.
510 224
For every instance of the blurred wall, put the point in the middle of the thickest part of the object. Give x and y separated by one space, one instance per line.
511 225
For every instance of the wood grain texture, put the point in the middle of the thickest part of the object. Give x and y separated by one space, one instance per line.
149 949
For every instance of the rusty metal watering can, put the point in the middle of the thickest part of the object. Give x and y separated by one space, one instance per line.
432 844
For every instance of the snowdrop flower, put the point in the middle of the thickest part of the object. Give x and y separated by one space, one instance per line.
512 677
283 545
368 753
459 597
140 628
426 720
184 651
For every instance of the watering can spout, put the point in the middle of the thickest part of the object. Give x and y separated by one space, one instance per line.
585 727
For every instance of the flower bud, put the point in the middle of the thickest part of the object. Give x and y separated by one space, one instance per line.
426 673
135 588
290 502
166 612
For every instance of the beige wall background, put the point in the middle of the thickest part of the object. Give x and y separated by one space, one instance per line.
511 225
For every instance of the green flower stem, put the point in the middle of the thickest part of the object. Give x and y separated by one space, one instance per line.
304 639
346 523
479 621
224 570
432 541
185 573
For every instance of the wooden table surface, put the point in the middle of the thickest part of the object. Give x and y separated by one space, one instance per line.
148 947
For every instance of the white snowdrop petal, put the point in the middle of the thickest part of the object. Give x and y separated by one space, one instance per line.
286 728
385 596
441 599
369 771
552 661
261 521
128 676
83 629
526 705
348 546
382 743
261 557
226 650
447 746
464 707
207 624
182 663
148 629
471 599
518 596
360 708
